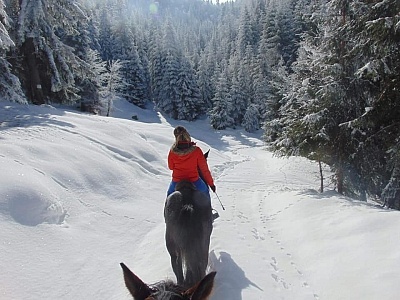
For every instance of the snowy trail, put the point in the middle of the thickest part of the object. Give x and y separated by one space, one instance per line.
249 209
83 193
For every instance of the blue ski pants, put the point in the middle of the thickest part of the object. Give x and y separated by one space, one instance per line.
199 184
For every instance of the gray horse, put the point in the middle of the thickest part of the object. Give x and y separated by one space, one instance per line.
167 290
188 219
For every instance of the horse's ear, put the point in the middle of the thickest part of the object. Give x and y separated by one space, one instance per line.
203 289
138 289
206 154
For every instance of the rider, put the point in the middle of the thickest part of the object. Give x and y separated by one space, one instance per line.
186 160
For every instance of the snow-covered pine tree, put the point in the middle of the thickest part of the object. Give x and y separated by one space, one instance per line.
167 102
331 99
298 128
377 128
48 63
112 81
156 66
142 44
204 73
171 65
177 92
92 85
105 34
268 48
86 47
274 97
239 101
251 119
391 192
190 104
245 36
132 71
5 40
288 34
219 115
10 86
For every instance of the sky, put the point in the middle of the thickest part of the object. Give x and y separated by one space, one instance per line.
81 193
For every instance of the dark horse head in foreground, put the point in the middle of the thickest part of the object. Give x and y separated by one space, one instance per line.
188 219
167 290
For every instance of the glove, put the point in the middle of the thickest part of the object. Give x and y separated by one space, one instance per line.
213 188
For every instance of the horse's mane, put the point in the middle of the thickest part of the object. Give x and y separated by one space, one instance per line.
167 289
187 208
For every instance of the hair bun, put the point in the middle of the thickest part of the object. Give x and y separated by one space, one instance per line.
179 130
181 134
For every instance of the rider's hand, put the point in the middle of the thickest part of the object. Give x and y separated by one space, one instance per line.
213 188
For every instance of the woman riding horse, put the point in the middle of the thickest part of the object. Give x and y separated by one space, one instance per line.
187 212
186 160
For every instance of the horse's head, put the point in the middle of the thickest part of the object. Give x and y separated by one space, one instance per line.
167 290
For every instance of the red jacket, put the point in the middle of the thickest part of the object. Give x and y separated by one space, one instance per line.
186 166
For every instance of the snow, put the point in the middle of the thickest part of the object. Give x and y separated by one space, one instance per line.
81 193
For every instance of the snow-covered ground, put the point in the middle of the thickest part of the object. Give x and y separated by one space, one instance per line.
80 193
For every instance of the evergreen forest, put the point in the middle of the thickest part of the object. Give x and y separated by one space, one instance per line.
320 78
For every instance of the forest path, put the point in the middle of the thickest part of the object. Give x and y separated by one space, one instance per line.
249 208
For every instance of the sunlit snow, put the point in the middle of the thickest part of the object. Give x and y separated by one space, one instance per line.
81 193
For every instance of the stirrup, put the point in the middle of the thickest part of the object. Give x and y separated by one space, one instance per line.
215 215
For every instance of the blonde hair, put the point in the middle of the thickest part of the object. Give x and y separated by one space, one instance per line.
181 134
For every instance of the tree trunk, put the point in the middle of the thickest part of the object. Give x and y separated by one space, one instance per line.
33 82
363 188
391 192
340 180
321 189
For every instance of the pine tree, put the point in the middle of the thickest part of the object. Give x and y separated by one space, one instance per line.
300 125
49 64
189 106
220 113
142 44
5 40
245 33
391 192
156 66
170 60
251 119
132 71
287 35
177 91
204 73
112 81
10 87
86 47
278 86
268 49
377 128
92 85
169 89
105 35
239 101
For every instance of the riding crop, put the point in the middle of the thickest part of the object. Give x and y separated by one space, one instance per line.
223 208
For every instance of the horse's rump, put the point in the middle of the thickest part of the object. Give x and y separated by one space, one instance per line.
187 213
188 219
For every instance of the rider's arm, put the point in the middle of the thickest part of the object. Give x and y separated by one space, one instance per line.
170 161
203 166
